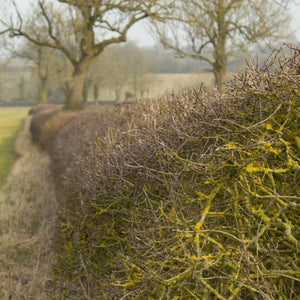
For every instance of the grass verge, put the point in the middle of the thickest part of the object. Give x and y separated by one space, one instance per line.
10 124
27 205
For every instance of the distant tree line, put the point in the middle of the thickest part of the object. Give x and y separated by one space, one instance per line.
210 31
128 70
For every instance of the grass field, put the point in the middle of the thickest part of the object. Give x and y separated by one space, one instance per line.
160 84
10 123
27 210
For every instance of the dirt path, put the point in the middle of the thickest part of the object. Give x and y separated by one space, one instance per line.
27 206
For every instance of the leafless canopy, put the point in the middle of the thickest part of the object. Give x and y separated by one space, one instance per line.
213 30
80 29
89 25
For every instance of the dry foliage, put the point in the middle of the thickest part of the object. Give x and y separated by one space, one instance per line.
77 137
50 128
40 107
190 197
39 119
27 201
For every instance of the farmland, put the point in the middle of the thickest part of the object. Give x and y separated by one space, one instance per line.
10 123
19 85
155 85
160 84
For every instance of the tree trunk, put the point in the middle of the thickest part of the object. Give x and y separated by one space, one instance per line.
21 88
96 93
118 94
76 82
220 55
219 71
43 90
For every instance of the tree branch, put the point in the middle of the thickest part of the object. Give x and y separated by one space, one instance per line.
122 38
58 44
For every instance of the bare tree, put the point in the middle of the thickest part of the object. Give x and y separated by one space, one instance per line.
43 72
126 66
40 57
117 71
213 30
139 67
81 29
51 67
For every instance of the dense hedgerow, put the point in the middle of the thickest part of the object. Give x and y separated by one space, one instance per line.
76 138
191 197
40 116
40 107
52 126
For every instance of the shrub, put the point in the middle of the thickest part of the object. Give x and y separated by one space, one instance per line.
76 137
52 126
39 117
40 107
187 197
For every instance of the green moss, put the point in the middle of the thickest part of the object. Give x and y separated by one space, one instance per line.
191 200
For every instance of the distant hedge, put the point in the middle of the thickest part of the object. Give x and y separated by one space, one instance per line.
40 116
188 197
75 138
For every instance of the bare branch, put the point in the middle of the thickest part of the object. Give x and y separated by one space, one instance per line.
214 30
82 29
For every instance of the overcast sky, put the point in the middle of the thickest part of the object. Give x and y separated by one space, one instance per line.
141 37
139 34
295 13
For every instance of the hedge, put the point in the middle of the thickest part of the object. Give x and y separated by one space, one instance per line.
185 197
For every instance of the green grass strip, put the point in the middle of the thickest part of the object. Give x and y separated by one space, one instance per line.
10 125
